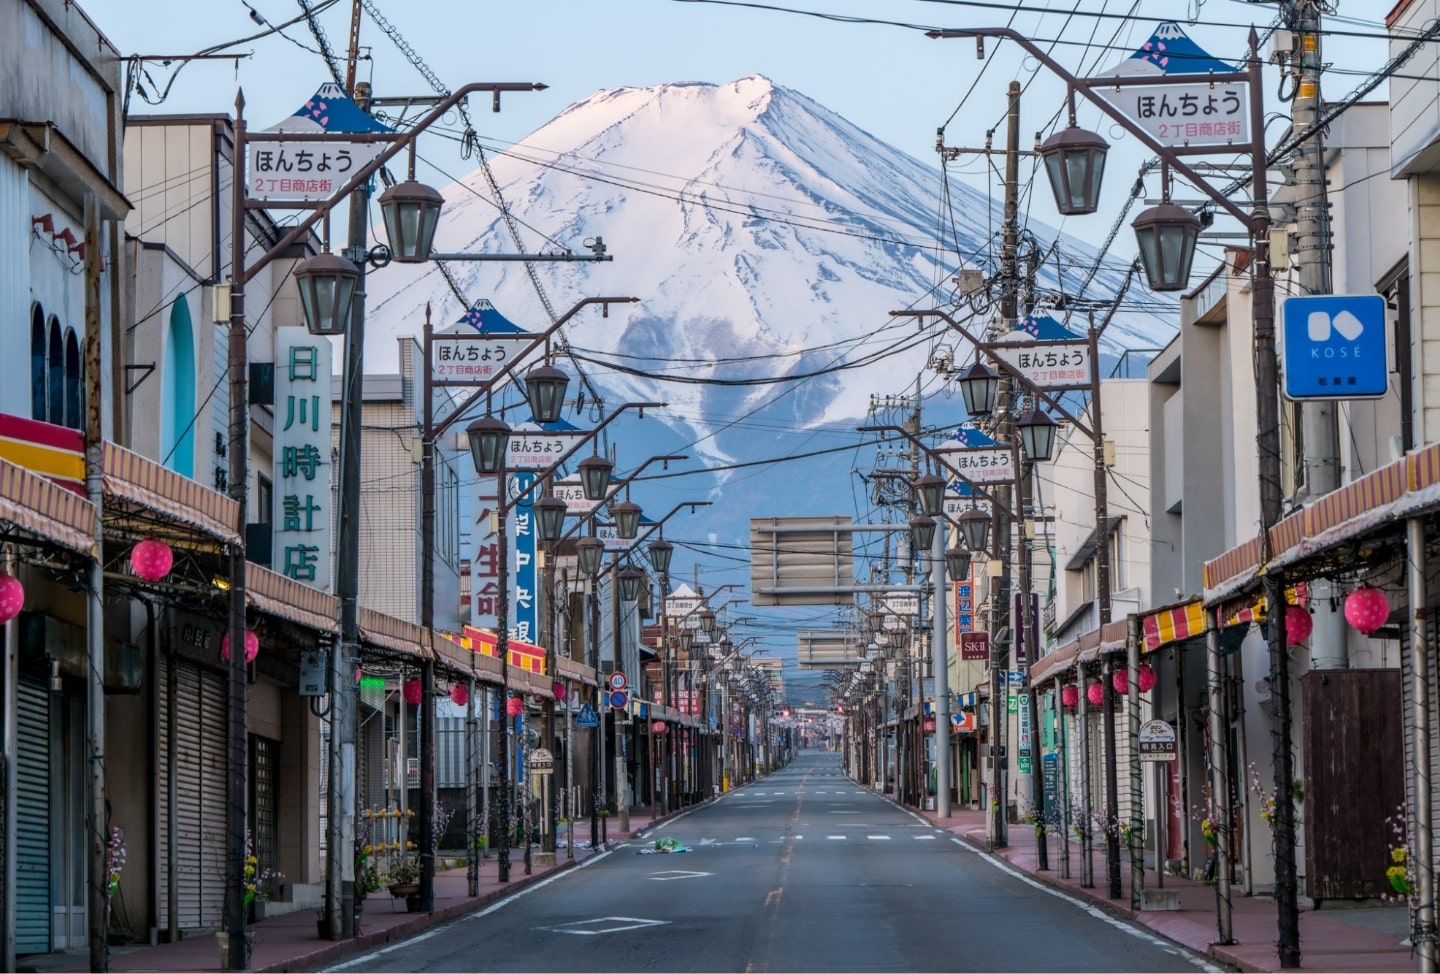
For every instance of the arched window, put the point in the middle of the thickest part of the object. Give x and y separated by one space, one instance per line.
37 363
177 398
55 375
74 383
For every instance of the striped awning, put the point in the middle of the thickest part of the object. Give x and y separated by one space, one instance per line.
1172 624
526 656
285 598
145 483
46 510
391 633
56 453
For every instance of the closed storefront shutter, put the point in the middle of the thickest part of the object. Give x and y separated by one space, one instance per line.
32 807
198 794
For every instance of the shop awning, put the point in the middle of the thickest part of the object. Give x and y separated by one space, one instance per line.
285 598
1409 486
570 669
388 632
1172 624
1084 649
46 510
131 478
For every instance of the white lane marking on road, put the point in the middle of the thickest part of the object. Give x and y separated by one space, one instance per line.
884 837
925 838
670 874
841 837
625 923
486 911
744 838
1138 933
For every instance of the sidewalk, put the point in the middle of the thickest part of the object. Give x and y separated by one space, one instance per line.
292 942
1327 943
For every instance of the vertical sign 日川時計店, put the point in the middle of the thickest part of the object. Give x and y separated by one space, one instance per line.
302 469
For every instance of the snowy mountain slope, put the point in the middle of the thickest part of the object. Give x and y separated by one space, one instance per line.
752 223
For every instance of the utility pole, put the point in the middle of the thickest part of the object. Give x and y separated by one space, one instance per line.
1000 527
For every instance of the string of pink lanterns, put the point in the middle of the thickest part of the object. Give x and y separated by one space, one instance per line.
252 646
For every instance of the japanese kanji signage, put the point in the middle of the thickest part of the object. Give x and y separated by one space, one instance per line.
572 492
1049 365
302 468
458 359
484 558
524 610
1187 114
288 171
964 607
534 448
982 466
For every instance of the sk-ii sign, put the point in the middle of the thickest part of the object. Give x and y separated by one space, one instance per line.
1335 347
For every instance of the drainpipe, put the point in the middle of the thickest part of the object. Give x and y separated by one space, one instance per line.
1424 839
152 750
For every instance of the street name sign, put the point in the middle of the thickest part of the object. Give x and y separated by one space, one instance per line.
979 466
1048 365
467 358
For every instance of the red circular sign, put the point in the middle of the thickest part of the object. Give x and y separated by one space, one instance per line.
617 680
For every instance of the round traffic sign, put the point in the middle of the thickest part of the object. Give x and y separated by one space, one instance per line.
617 680
619 699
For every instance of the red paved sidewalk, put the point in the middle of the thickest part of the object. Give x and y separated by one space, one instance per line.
292 942
1326 944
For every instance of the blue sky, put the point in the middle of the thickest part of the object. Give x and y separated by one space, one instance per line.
882 75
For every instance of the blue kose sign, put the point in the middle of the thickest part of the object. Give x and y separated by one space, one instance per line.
1335 347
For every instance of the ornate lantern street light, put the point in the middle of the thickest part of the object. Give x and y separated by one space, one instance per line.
545 387
588 552
922 533
974 527
629 580
1075 162
930 490
627 519
411 212
1167 235
978 388
595 476
489 439
1037 434
957 563
549 519
327 285
661 551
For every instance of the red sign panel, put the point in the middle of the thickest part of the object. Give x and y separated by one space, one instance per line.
975 646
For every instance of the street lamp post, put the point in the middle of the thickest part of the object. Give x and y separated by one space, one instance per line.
489 443
1162 234
333 292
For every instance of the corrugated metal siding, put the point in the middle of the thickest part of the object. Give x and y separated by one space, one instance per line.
32 858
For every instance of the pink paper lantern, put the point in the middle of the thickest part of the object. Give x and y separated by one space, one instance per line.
1070 695
1367 609
1298 624
151 559
1147 678
658 727
514 706
459 695
1095 693
12 597
413 692
558 691
252 646
1120 680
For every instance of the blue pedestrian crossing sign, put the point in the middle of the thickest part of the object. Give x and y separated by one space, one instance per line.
586 717
1335 347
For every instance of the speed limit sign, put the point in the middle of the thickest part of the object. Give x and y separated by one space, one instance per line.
617 680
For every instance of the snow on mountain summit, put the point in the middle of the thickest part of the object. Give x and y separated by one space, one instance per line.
764 235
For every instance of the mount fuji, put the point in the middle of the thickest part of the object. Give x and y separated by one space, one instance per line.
768 240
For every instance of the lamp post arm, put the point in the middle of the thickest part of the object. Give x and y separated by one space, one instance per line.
939 459
1050 400
542 475
362 175
485 388
614 489
1084 85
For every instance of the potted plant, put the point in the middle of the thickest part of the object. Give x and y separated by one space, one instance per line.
404 878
